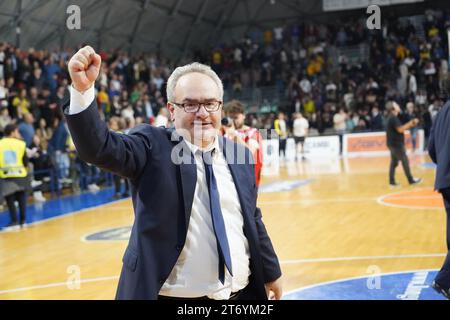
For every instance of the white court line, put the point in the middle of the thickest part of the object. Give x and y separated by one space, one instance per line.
421 197
380 201
347 200
58 284
432 255
66 215
405 256
355 278
316 201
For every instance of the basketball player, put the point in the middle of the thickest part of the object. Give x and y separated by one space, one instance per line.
250 136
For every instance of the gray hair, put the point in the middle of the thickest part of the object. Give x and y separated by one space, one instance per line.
390 106
190 68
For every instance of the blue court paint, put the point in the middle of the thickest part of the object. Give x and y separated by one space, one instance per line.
428 165
68 204
121 234
64 205
409 285
281 186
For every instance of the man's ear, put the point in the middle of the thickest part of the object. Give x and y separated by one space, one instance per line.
171 109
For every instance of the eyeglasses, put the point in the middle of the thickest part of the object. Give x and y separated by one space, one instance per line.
194 107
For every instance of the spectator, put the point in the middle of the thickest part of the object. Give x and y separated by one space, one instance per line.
281 129
339 121
300 131
103 100
41 166
162 118
5 119
376 122
411 114
58 147
44 133
26 129
3 93
412 84
21 104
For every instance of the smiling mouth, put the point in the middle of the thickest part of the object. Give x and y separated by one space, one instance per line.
202 124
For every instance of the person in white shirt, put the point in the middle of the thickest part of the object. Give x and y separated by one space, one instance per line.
300 130
127 112
412 84
340 125
339 120
305 85
161 119
278 32
3 94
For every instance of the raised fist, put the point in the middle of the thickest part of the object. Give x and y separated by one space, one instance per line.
84 68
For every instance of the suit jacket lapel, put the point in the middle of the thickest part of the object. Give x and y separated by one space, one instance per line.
237 173
188 172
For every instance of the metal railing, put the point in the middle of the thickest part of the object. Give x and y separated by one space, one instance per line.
54 179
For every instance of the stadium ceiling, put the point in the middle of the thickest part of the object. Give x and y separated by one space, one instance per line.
175 27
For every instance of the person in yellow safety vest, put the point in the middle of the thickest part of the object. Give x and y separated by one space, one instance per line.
281 129
13 173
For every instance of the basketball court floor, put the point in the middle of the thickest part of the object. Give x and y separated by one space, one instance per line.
339 230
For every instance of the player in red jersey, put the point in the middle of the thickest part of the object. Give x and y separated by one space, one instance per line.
238 131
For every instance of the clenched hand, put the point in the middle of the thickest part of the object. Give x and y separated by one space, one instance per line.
84 68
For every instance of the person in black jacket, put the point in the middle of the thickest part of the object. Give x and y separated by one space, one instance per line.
396 143
197 233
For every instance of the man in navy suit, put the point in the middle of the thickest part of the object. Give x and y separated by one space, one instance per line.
197 232
439 150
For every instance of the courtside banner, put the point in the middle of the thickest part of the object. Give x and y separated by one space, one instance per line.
322 146
374 143
271 158
327 146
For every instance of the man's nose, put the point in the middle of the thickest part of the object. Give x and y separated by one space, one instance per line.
202 113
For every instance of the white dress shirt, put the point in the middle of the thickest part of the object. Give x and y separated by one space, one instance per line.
80 101
195 274
196 271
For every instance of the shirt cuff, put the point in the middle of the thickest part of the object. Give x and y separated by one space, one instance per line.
80 101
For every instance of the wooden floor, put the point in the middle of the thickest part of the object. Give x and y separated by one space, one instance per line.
343 223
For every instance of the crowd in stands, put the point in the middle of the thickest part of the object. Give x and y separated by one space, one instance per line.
334 96
34 87
407 63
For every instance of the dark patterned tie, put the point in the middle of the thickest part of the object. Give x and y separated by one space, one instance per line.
217 218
